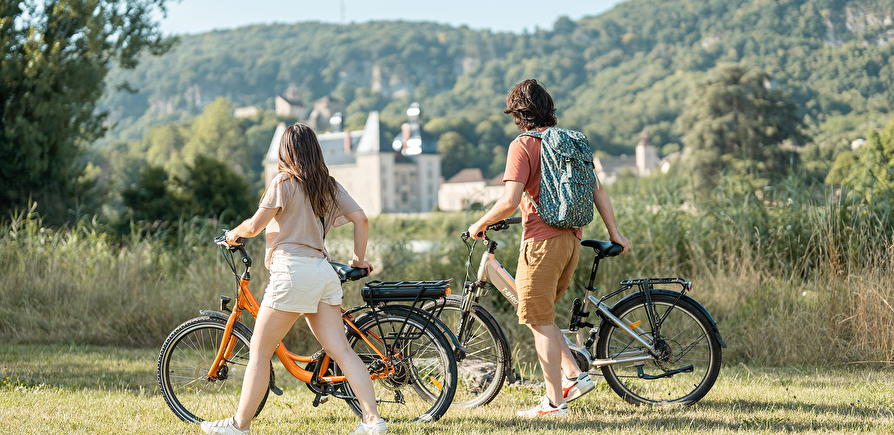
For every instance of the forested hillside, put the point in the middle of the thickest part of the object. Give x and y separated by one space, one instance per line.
612 75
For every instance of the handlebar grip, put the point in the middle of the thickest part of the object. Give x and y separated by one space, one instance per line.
503 224
222 240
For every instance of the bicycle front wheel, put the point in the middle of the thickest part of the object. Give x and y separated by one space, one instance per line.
424 382
183 365
486 364
690 352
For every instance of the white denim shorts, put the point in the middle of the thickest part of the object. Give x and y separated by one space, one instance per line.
299 284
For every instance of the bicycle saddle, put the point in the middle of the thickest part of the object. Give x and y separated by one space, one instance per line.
603 249
348 273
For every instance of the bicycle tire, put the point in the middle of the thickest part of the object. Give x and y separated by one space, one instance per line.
486 364
425 382
689 340
184 361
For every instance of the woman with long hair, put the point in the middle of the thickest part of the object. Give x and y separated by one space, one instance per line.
299 206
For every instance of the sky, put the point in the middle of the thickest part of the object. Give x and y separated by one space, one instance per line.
197 16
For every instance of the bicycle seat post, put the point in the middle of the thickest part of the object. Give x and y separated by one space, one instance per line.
593 273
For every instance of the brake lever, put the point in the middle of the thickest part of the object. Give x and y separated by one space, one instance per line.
222 241
464 236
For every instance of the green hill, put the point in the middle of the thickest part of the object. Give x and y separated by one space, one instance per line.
611 75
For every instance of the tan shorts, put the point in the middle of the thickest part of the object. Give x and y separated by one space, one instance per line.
545 268
299 284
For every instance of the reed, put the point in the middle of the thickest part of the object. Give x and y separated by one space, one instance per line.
793 275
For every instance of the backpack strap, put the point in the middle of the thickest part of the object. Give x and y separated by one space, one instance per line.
539 135
534 133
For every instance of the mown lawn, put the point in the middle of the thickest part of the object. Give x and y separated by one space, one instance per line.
77 389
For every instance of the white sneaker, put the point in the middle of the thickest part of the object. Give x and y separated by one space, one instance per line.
572 388
545 409
223 427
377 428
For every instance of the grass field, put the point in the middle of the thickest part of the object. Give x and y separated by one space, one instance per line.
105 390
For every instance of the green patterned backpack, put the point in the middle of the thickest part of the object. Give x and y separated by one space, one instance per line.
566 178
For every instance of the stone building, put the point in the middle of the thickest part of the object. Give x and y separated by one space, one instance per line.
384 175
469 187
643 164
290 104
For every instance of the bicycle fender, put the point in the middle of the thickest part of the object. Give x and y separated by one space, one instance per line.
688 299
212 313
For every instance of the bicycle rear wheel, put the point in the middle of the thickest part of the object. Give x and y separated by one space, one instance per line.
486 363
424 381
685 337
183 365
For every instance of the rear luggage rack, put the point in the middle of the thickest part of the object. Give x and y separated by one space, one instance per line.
387 291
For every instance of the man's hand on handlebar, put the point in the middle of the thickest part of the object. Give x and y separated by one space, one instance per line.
476 230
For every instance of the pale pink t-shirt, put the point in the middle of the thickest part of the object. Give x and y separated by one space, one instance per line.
294 229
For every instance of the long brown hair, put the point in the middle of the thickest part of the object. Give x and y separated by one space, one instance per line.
531 106
301 158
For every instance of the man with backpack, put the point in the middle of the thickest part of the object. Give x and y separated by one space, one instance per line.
553 169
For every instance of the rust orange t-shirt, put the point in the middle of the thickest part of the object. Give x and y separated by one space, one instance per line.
523 166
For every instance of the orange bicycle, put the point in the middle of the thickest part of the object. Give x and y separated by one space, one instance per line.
410 359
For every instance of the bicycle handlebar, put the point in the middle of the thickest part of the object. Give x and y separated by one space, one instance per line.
504 224
345 273
496 226
222 241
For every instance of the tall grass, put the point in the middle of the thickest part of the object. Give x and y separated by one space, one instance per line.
792 275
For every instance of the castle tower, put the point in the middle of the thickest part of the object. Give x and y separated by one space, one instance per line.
646 155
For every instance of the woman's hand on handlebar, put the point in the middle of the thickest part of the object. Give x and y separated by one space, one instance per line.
232 239
356 264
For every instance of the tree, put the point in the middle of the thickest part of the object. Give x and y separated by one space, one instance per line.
209 188
152 199
162 142
872 173
55 57
736 121
216 133
458 153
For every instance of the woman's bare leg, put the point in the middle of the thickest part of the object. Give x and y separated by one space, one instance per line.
327 326
270 327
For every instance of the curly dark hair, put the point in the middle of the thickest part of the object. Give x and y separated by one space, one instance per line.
531 106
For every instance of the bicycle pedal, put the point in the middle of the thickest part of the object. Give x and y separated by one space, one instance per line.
276 390
320 399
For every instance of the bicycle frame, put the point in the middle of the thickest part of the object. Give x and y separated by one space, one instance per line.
490 270
245 300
